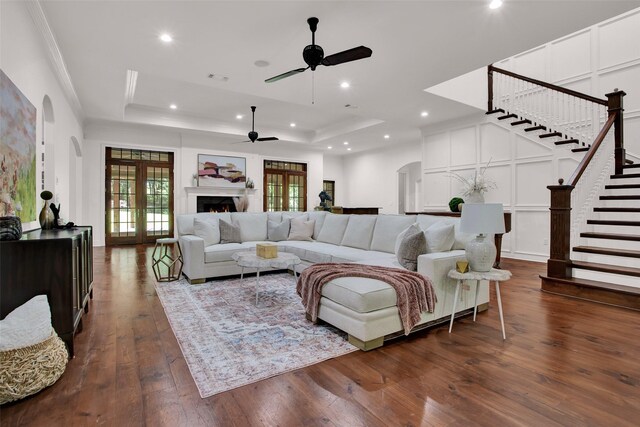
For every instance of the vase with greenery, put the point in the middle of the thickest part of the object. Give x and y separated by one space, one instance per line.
474 187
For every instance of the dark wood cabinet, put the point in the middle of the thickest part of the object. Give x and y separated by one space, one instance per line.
56 263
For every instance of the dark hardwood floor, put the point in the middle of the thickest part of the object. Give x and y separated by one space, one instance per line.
565 362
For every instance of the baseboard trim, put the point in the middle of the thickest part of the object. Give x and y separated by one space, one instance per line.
594 291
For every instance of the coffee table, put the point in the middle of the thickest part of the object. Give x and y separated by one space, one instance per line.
249 259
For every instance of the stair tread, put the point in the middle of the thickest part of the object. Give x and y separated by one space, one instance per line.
508 116
607 251
631 166
606 268
598 285
613 222
616 209
620 186
521 122
628 162
567 141
621 197
497 110
625 175
538 127
580 150
611 236
550 135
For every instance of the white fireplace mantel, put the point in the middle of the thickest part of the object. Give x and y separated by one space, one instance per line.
219 191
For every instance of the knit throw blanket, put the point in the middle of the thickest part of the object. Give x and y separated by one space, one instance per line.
414 291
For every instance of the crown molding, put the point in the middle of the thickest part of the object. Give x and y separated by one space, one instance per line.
55 57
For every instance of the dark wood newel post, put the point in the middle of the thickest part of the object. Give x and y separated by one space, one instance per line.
559 263
615 105
490 88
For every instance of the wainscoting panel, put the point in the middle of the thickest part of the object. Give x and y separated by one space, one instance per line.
436 189
571 56
531 63
526 148
436 155
624 79
618 40
494 143
531 183
532 232
501 175
463 147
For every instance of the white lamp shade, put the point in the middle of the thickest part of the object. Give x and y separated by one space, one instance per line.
482 218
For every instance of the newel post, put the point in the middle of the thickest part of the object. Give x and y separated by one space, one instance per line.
615 105
490 88
559 263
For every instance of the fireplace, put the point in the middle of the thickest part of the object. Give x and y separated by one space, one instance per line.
215 204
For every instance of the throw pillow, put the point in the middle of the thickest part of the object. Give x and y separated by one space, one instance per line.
27 325
402 234
301 229
229 233
208 230
277 231
440 237
412 246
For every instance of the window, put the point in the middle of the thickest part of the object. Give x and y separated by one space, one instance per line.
285 186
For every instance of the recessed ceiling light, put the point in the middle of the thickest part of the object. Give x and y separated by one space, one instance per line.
329 147
239 116
173 106
344 85
349 149
166 38
495 4
346 143
386 137
292 124
424 114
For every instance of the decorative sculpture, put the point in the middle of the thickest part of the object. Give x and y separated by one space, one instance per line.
324 198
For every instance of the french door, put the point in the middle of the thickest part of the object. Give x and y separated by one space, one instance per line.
139 196
285 186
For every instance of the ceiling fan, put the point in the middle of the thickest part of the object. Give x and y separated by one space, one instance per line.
253 135
313 55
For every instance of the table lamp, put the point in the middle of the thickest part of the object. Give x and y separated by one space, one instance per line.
481 219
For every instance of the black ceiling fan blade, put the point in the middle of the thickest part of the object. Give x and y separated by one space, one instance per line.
349 55
285 75
268 138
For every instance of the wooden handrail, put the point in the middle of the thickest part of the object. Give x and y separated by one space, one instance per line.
549 85
573 181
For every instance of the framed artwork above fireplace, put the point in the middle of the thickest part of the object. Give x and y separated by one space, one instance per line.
221 171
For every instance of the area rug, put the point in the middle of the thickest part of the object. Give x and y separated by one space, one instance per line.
228 342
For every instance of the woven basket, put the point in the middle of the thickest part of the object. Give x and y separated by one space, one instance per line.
27 370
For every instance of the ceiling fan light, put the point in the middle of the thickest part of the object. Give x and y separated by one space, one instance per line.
166 37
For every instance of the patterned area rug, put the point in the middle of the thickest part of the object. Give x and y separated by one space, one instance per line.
228 342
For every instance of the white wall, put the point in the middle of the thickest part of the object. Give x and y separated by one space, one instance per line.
186 146
23 57
334 171
371 177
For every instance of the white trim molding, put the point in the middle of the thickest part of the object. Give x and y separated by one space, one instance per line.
55 57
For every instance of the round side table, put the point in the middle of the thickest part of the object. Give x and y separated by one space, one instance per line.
172 260
494 274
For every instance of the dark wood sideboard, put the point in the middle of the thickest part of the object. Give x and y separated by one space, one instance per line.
497 237
355 211
56 263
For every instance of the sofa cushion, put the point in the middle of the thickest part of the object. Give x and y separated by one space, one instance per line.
229 233
274 216
278 231
387 229
461 239
359 231
413 245
360 294
318 217
333 228
208 229
301 228
291 215
185 221
347 254
220 253
253 226
440 237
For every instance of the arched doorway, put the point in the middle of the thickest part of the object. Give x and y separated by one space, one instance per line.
410 188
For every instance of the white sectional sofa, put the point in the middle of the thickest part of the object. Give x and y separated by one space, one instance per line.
364 308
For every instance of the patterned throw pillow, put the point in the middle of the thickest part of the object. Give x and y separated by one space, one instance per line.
229 233
413 245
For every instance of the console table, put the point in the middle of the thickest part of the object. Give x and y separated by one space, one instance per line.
355 211
56 263
497 237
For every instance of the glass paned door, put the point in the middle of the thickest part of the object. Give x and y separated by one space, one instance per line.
285 186
139 196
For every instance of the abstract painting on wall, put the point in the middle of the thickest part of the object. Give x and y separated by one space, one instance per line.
17 152
221 171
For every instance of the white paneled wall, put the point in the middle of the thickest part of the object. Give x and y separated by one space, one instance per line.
595 61
521 165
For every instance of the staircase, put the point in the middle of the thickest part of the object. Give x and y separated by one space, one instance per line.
595 217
